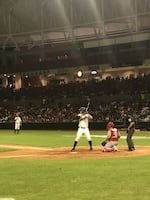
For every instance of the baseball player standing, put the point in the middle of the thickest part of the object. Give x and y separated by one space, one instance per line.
130 131
83 127
113 136
18 123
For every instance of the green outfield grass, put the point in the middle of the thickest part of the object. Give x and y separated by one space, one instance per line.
72 179
62 138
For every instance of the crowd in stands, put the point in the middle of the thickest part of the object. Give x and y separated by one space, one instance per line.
109 98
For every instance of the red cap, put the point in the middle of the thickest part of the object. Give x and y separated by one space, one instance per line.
110 124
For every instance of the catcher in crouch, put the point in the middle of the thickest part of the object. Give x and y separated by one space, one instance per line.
83 127
111 142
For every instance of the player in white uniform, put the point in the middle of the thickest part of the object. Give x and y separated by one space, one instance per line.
83 127
18 123
113 136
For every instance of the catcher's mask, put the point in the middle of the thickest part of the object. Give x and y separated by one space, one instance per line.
110 124
82 110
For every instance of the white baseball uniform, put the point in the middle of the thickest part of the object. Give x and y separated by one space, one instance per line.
83 126
18 122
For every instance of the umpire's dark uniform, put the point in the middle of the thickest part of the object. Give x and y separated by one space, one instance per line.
130 124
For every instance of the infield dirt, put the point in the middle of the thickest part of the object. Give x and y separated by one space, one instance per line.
32 152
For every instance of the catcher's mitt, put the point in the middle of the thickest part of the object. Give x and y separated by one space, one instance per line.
103 143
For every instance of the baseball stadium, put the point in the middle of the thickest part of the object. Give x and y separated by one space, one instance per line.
74 99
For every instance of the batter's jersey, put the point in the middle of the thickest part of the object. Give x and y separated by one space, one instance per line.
83 121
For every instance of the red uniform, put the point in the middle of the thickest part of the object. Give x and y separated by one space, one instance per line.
113 136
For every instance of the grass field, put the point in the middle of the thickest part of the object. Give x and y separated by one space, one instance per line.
72 179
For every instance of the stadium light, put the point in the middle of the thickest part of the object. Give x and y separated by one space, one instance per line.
93 72
79 74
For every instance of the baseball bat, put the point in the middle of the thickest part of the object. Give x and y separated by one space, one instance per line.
87 107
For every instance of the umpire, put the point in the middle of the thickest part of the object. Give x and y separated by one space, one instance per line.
130 125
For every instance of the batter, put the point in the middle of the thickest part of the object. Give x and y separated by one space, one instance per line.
83 127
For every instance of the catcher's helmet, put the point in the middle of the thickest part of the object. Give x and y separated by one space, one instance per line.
110 124
82 110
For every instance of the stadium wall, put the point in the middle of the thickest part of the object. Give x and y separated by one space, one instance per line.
71 126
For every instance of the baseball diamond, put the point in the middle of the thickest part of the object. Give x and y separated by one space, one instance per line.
74 99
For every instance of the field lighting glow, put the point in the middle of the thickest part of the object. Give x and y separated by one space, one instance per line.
79 74
93 72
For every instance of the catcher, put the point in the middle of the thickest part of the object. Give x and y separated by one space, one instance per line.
83 128
111 142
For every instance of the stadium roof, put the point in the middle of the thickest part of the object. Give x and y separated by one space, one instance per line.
38 22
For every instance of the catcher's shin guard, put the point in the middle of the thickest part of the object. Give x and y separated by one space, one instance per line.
108 149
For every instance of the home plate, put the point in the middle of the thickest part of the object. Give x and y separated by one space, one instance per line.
73 152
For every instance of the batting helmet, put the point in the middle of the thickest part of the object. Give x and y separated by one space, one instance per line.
110 124
82 110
